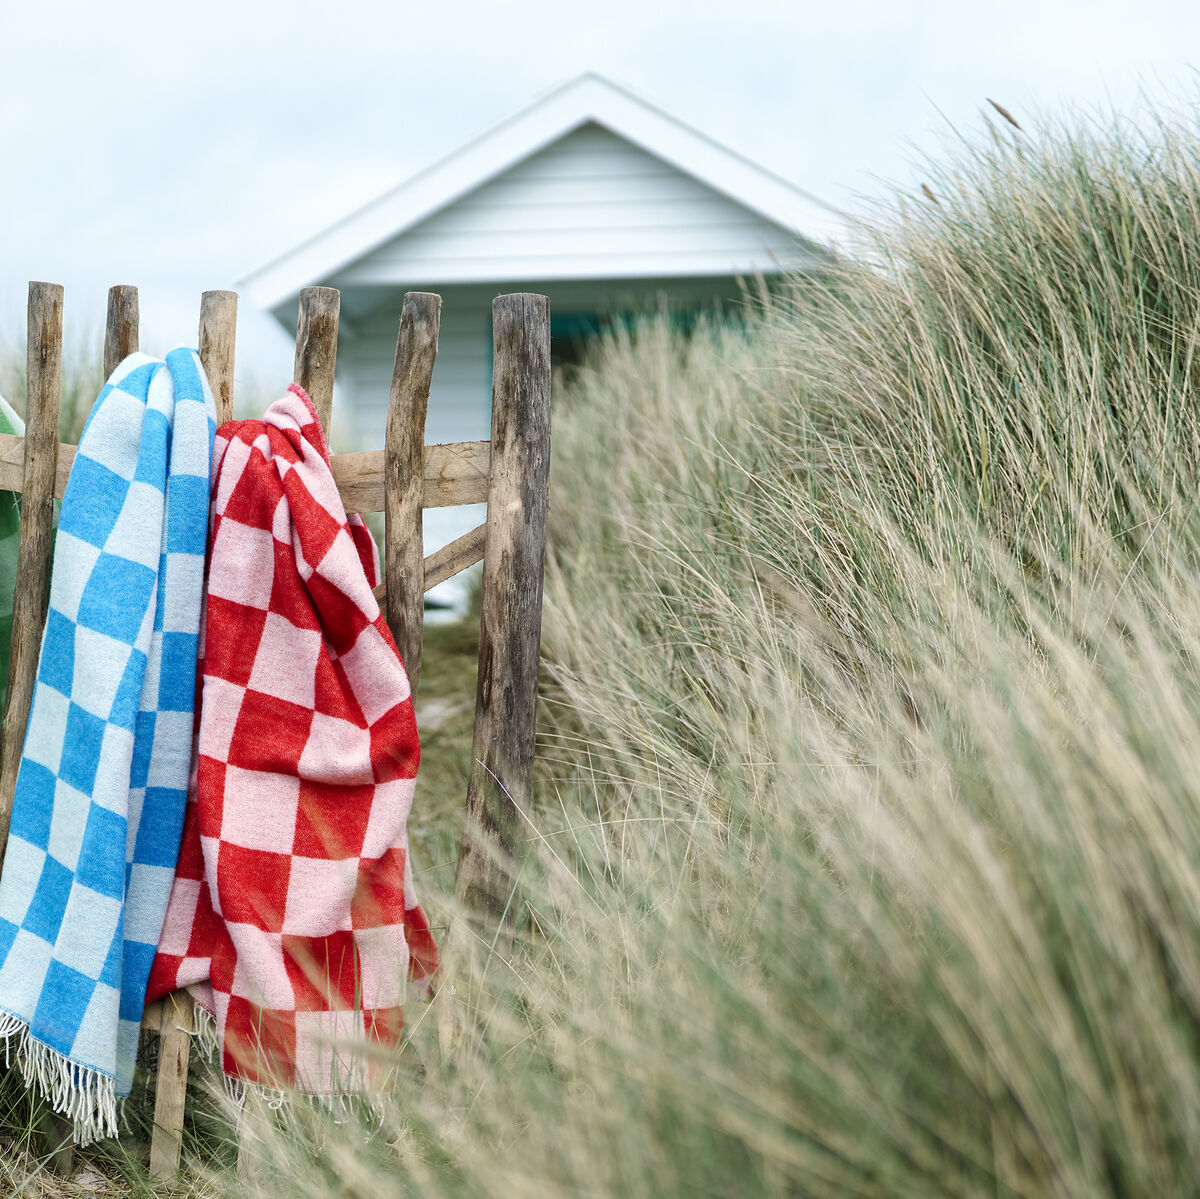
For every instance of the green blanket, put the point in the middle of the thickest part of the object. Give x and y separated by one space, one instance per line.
10 521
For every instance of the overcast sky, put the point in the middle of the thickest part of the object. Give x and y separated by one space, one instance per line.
180 146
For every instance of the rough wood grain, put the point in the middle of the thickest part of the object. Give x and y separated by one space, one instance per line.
445 563
454 556
121 326
30 600
152 1016
58 1141
316 347
12 463
218 334
404 476
174 1046
456 473
511 617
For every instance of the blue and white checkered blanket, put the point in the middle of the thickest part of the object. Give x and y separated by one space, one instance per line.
100 796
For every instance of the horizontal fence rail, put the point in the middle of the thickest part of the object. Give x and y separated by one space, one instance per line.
455 473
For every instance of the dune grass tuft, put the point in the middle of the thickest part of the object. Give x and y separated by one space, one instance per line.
867 857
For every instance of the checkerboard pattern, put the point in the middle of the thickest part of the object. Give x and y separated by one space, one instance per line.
293 918
102 785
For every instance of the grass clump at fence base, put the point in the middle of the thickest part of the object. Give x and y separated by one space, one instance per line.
870 860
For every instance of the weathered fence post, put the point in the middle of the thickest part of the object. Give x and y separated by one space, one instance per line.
316 347
511 618
404 476
170 1094
32 597
218 333
120 326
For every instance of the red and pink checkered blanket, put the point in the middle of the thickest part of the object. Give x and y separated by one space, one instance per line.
293 919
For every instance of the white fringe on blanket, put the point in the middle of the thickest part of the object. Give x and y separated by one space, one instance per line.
86 1097
208 1042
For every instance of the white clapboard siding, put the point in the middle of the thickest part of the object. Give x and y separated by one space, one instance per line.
459 404
592 205
459 394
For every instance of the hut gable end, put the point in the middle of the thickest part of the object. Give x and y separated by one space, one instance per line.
589 182
591 204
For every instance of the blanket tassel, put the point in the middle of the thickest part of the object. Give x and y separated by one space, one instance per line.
86 1097
340 1106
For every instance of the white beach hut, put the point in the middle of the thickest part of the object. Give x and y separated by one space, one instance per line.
592 196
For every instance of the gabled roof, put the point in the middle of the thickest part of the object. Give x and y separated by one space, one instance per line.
586 98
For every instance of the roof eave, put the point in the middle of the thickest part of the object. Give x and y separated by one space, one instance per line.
585 99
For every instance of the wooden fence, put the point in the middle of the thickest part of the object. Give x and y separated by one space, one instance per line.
510 472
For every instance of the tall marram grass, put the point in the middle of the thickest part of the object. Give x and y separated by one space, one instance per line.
81 377
865 859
